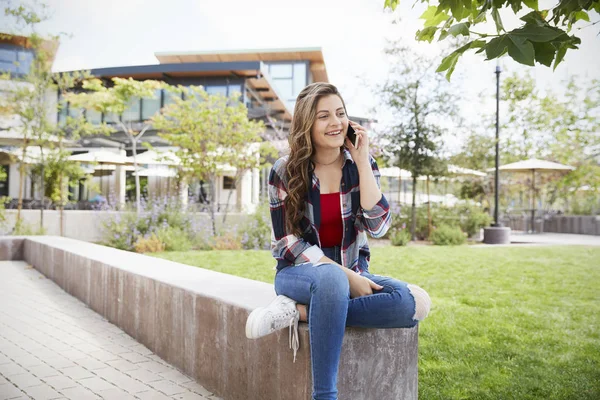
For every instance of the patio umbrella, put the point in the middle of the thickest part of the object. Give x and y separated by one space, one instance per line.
456 170
152 157
160 173
101 157
532 166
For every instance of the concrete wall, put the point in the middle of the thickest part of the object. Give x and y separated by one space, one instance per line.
195 320
87 225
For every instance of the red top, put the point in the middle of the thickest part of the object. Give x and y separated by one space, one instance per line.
331 229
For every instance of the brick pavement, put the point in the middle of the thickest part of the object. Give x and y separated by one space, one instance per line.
52 346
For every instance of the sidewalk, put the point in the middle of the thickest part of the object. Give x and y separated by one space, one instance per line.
52 346
554 239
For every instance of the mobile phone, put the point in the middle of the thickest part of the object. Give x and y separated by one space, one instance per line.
351 134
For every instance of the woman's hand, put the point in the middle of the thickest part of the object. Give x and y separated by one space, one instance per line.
361 286
360 155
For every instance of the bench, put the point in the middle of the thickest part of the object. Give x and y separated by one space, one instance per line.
195 320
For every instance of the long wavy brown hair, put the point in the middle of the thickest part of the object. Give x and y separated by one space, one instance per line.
299 165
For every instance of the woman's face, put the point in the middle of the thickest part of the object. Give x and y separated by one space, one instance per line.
331 123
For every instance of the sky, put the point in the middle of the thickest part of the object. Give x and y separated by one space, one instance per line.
351 33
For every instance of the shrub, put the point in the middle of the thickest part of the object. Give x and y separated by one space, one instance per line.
466 216
151 244
123 229
23 228
400 237
447 236
174 239
227 241
256 232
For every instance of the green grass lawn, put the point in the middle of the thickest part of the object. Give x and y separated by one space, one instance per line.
506 323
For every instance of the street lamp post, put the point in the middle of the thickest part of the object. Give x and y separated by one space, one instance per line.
497 172
497 234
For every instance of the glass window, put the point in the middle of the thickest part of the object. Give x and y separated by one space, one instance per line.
299 78
132 112
8 67
93 116
62 111
234 88
9 56
280 70
75 112
25 60
169 97
221 89
284 88
228 183
111 118
151 106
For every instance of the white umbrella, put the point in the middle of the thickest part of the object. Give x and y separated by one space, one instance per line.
152 157
101 157
158 172
456 170
534 165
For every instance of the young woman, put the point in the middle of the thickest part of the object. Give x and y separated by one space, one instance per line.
324 199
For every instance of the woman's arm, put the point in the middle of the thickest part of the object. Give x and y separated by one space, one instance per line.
359 285
286 246
375 219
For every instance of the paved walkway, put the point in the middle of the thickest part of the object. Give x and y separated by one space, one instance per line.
554 239
52 346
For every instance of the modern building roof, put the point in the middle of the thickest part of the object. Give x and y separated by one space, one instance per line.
255 73
312 54
51 46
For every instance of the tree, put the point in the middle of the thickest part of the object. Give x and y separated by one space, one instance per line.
116 99
31 96
563 129
212 132
420 99
543 37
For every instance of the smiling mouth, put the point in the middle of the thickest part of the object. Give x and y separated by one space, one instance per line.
334 133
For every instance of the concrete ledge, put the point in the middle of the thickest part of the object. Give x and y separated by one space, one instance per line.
11 248
195 319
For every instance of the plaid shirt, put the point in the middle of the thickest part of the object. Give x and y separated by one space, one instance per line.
289 249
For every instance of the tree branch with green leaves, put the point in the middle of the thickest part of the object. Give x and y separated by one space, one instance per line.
544 36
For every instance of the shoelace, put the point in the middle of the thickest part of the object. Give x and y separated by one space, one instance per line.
293 337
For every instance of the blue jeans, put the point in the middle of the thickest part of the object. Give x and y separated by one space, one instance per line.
325 291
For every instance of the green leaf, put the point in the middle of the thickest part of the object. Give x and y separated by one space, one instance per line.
531 4
581 15
432 17
544 53
391 4
497 20
562 50
536 33
443 34
516 5
426 34
476 44
457 9
449 63
521 50
534 18
460 29
496 47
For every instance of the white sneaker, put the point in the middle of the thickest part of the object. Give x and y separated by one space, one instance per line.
279 314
